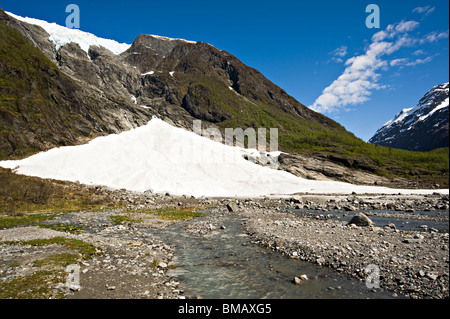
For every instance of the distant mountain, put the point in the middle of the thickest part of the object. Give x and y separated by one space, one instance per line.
421 128
61 87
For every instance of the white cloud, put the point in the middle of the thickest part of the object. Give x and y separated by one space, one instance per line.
425 10
406 62
397 62
394 30
361 76
434 37
338 60
420 61
338 54
406 26
341 51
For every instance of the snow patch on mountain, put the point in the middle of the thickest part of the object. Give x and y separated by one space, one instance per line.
60 36
444 104
163 158
426 118
424 103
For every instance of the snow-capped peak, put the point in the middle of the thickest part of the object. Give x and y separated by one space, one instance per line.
420 128
60 36
428 100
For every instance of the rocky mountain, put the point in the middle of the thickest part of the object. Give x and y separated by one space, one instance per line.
421 128
42 105
176 79
65 87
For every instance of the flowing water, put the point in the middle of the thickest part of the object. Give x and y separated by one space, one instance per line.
226 265
402 220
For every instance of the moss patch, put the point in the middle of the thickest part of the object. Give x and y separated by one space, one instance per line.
50 271
28 219
64 228
39 285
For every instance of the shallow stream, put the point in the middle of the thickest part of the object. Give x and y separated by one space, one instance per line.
402 220
226 265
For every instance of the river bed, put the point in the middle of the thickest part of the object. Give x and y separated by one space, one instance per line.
225 264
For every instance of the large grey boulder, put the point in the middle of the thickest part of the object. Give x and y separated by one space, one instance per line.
361 220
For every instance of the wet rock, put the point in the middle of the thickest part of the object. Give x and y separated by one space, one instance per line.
232 207
320 261
361 220
299 280
162 265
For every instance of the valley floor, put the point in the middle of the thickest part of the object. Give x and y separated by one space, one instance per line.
129 260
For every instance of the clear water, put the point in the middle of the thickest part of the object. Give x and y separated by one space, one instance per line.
404 221
225 265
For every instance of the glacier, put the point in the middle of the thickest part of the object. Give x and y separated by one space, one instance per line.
162 158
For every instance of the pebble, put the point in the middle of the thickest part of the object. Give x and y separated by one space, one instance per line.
410 261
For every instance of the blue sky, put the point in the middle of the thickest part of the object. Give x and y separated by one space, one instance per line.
320 52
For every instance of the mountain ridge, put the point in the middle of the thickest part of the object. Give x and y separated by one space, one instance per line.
180 81
420 128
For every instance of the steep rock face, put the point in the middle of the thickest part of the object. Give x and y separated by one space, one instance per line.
421 128
178 80
53 98
39 105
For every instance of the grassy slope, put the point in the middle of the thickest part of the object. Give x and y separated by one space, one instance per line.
23 194
305 136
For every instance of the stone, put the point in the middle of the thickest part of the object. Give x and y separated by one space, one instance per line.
361 220
303 277
418 236
412 241
320 260
350 208
137 244
431 276
296 200
162 265
232 207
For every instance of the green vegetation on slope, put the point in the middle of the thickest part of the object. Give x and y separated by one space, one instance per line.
324 138
21 194
39 106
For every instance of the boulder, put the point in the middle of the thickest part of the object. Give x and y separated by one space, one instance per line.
232 207
361 220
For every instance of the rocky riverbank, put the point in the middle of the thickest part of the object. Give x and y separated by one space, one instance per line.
129 264
129 261
410 263
413 263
